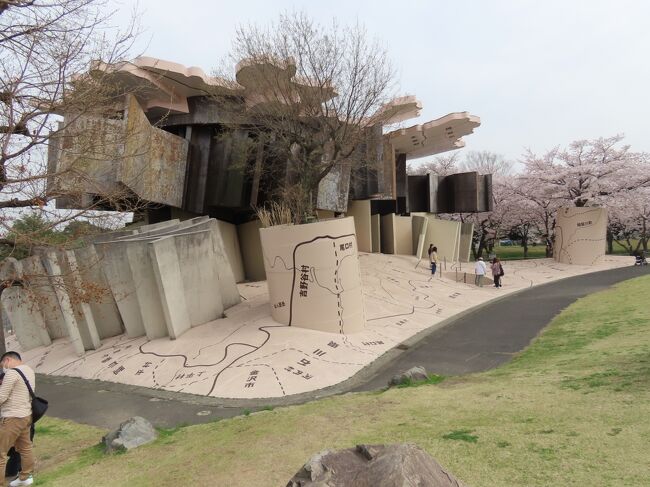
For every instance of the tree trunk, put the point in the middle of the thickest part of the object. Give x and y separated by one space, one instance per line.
610 242
524 242
3 345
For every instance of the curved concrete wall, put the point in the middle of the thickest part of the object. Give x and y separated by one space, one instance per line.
580 235
313 275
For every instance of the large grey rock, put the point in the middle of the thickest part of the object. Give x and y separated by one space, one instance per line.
400 465
413 374
134 432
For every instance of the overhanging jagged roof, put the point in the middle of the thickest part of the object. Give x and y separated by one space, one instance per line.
434 137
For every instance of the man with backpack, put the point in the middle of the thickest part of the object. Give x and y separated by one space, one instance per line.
16 415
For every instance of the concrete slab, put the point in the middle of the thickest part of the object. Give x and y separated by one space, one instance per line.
156 226
83 313
25 318
170 285
54 269
102 303
444 235
419 232
580 235
201 276
39 284
251 250
147 297
387 232
403 235
118 274
230 239
313 275
465 242
360 211
401 302
375 227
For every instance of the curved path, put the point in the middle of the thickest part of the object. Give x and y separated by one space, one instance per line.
477 341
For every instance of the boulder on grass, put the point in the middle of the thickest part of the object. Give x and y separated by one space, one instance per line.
132 433
413 375
400 465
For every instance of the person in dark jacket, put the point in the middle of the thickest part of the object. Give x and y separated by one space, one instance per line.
497 272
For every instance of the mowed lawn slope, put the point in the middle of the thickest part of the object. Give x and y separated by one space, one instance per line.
573 409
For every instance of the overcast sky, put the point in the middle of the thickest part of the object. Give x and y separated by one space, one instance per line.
538 73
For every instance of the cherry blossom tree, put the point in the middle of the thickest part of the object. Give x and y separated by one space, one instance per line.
629 216
486 162
442 165
587 173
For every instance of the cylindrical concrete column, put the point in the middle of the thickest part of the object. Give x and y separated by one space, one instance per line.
313 275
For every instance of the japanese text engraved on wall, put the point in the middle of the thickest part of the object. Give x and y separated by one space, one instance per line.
313 275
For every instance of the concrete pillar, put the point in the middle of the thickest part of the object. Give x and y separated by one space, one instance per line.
102 306
166 268
83 313
50 261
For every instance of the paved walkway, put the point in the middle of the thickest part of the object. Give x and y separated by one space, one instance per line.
475 342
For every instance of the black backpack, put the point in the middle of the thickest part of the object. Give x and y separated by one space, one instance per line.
39 405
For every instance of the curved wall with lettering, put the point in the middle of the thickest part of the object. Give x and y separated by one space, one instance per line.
580 235
313 275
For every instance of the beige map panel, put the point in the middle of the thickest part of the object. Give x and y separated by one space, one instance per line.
442 234
251 250
419 225
580 235
249 355
375 227
360 211
465 244
403 235
231 247
313 275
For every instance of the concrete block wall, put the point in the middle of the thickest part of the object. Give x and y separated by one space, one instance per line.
156 282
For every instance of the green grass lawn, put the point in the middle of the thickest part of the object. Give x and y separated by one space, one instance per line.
573 409
516 252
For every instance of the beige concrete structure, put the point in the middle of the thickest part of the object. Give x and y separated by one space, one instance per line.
465 242
251 250
400 301
433 137
360 211
53 267
133 158
419 225
387 232
167 279
45 297
233 252
82 312
580 235
103 307
375 230
23 314
313 275
444 234
157 282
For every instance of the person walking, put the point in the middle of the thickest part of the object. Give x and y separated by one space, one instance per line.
16 415
497 272
479 269
433 259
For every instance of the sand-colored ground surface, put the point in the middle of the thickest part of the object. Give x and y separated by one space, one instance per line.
248 355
